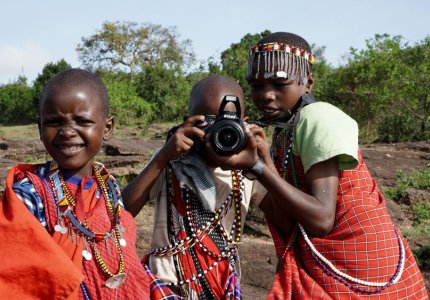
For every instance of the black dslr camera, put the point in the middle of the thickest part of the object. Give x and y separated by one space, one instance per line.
226 131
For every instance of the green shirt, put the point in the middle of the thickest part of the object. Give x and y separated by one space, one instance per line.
323 132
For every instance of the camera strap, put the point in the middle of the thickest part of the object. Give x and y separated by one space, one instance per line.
290 118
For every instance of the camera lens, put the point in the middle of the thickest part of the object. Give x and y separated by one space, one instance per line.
228 137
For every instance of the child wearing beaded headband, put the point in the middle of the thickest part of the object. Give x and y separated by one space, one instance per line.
199 208
85 247
332 232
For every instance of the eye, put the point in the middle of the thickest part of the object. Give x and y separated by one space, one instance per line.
256 85
84 122
52 122
282 83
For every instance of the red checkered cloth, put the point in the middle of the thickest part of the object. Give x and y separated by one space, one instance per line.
158 289
136 285
363 244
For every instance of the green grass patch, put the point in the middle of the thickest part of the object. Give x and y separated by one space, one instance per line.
124 180
416 231
420 180
421 212
34 160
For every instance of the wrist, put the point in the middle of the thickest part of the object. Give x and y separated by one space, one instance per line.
255 171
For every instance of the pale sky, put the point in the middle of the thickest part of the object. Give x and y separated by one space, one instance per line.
34 33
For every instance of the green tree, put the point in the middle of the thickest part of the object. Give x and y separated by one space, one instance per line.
49 70
234 63
128 46
166 89
384 87
16 104
322 74
125 103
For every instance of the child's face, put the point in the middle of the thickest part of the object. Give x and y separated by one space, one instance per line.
72 127
274 96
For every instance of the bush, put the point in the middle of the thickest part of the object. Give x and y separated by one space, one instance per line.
422 255
16 103
421 212
127 107
397 128
420 180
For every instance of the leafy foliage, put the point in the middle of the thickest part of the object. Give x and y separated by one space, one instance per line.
167 90
383 88
422 256
49 70
16 103
421 212
125 103
128 46
234 62
146 69
420 180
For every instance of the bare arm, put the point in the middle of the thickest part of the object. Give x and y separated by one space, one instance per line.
316 210
136 193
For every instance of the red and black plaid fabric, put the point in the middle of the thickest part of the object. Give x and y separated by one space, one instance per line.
362 244
136 285
158 289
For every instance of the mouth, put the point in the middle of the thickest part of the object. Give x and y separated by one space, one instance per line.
270 112
70 149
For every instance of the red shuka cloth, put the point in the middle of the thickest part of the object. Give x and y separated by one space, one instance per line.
362 244
32 266
136 285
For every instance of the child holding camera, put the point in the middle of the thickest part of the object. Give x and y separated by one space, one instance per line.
333 234
199 208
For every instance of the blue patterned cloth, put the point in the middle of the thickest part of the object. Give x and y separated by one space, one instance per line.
25 191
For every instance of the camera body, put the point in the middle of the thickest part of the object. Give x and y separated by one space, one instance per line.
226 131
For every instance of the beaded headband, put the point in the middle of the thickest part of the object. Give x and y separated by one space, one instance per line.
279 60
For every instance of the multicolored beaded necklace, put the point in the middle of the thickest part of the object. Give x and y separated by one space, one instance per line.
281 139
68 222
202 231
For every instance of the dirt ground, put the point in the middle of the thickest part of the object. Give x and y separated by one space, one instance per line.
126 156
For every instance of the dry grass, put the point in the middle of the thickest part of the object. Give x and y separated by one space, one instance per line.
19 132
31 132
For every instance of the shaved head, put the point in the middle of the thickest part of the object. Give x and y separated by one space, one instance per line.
73 78
207 94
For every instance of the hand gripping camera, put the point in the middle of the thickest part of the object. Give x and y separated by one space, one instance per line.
226 131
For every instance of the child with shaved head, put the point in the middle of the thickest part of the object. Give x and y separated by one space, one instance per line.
199 207
85 248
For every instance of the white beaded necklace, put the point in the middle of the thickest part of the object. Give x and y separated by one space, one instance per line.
350 278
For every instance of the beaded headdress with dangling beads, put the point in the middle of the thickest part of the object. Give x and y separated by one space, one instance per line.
279 60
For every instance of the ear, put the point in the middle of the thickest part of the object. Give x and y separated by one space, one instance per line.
107 133
310 83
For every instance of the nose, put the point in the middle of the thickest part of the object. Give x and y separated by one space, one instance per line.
67 131
267 94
